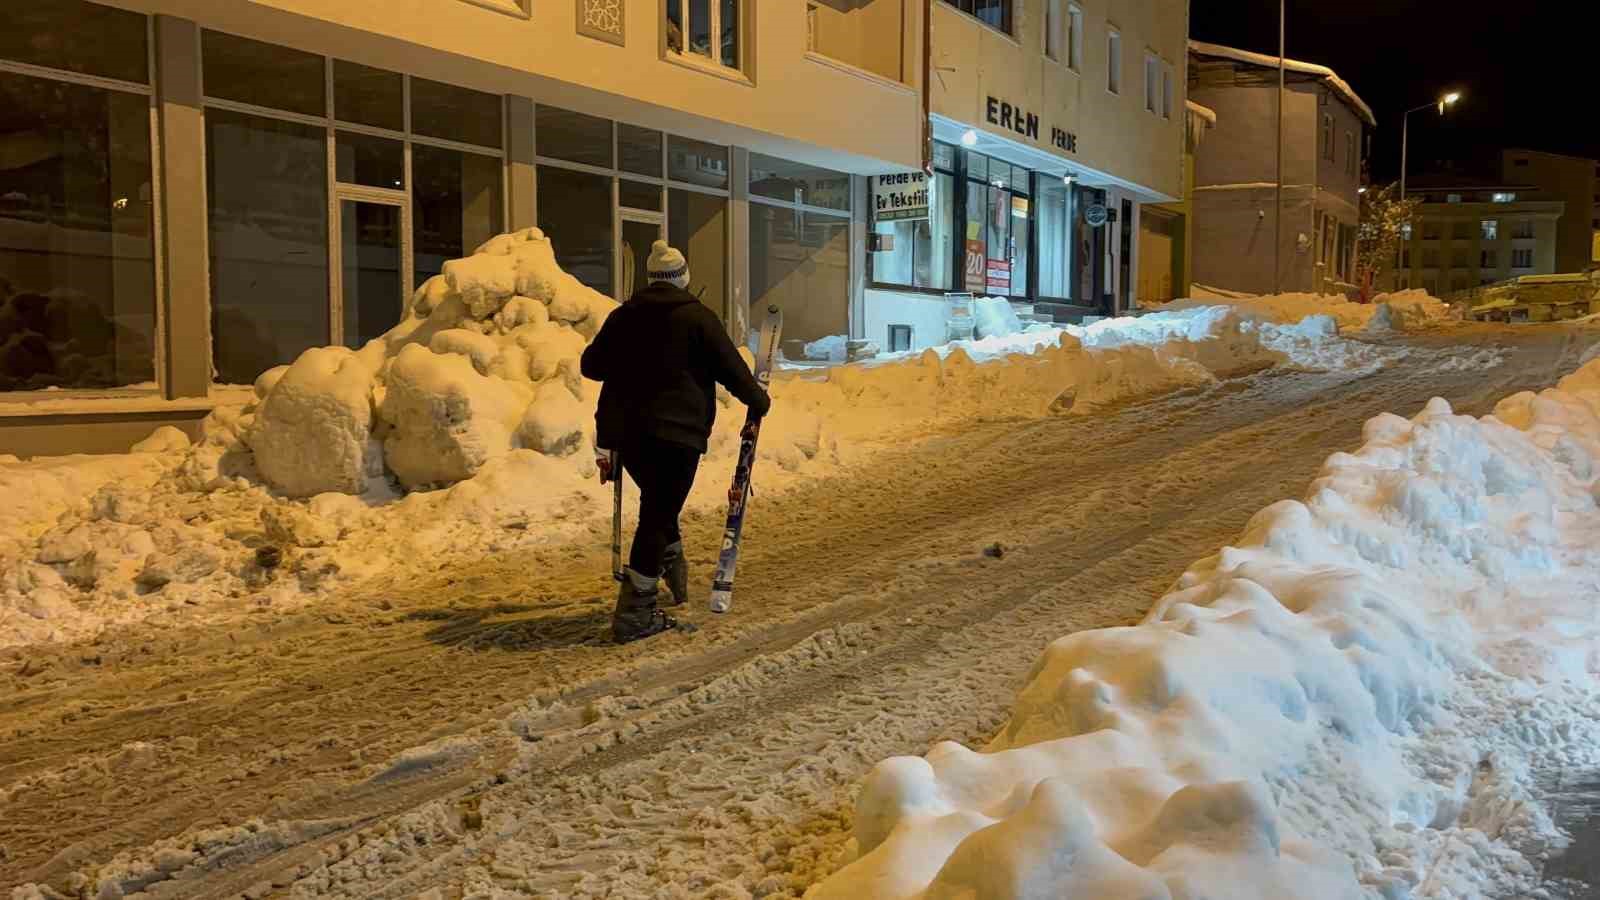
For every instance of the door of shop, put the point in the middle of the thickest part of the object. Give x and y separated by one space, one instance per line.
638 232
371 239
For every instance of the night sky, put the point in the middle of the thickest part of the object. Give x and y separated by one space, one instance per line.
1530 76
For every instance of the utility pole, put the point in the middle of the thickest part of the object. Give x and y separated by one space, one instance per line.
1277 217
1444 102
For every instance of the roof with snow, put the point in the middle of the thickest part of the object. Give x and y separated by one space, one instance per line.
1261 60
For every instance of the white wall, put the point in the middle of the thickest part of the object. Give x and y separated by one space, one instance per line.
925 313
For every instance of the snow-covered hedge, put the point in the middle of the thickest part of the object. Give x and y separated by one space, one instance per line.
1347 702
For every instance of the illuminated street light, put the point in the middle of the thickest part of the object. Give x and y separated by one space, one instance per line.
1405 130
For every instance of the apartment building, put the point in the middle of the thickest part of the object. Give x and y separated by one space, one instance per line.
1237 239
1054 123
1470 232
193 191
1573 181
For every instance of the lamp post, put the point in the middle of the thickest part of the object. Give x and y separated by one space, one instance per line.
1277 213
1405 130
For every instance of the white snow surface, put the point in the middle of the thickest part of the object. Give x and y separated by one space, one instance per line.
1352 701
468 429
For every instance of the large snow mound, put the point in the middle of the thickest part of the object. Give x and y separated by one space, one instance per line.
467 430
1403 310
1351 701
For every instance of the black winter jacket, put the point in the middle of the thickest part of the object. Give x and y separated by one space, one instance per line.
659 357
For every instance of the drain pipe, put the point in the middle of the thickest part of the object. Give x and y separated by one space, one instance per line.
927 87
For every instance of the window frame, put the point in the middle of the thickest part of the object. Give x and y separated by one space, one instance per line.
1168 91
1350 167
1054 30
713 64
1008 15
1327 137
1113 60
1152 82
1074 41
957 174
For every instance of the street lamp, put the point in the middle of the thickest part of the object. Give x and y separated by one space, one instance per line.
1405 130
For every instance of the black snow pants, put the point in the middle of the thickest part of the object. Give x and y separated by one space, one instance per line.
664 472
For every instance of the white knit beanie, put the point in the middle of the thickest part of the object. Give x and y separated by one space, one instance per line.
667 264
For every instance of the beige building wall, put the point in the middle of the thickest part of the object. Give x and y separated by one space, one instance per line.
791 104
1116 135
1571 180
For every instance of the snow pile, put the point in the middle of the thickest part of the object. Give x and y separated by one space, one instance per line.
1405 310
833 348
466 431
994 317
1354 700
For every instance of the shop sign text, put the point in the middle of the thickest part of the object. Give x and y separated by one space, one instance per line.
900 196
1014 118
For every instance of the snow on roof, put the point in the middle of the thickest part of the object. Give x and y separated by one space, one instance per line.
1325 74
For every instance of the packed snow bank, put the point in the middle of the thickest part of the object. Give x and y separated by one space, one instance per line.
1404 310
1351 701
466 430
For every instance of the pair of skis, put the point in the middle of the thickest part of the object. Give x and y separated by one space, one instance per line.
738 493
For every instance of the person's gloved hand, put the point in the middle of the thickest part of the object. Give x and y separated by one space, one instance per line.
762 406
603 460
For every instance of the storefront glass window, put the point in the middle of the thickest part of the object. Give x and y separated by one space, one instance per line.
77 280
368 96
456 206
1055 239
638 195
267 192
263 74
697 162
791 182
999 213
86 38
573 136
455 113
575 211
639 150
922 247
697 224
371 161
1089 249
801 261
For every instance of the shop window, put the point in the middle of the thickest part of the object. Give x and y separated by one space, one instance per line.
639 150
697 224
801 261
789 182
999 215
994 13
921 255
456 204
573 136
370 161
455 113
575 211
268 204
697 162
638 194
85 38
1055 239
77 278
368 96
708 29
262 74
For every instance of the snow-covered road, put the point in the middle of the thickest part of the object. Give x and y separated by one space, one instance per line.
476 732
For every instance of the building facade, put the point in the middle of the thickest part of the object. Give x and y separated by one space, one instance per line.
1054 123
1238 243
1166 230
1570 179
1469 233
193 191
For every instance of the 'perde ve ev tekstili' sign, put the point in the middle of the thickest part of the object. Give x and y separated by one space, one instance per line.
900 196
1015 118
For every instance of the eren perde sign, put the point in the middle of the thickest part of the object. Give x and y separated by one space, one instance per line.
1019 120
900 196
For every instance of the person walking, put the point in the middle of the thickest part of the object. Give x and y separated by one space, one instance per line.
659 357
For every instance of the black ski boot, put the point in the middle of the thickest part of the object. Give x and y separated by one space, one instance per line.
636 616
677 574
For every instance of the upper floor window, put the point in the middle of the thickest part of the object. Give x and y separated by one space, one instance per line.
1503 197
1350 165
1075 37
994 13
708 29
1114 61
1166 92
1053 29
1491 229
1522 259
1452 198
1460 230
1327 136
1152 82
1523 229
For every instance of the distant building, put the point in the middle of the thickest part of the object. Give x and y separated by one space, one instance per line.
1236 174
1571 179
1470 232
